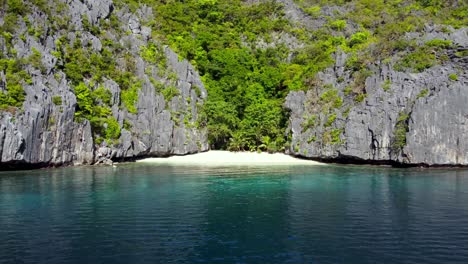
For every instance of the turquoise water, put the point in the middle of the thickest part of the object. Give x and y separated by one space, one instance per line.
143 213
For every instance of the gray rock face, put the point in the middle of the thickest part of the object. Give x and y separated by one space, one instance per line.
42 133
406 118
160 127
438 129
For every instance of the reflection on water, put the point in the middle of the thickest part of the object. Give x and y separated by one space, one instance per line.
143 213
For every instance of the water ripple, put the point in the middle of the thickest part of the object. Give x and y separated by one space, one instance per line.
140 213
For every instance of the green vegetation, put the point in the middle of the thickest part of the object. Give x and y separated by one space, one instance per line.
36 60
346 112
94 106
169 92
233 44
86 69
95 30
439 43
360 98
80 63
348 90
220 37
423 93
453 77
310 123
425 56
330 120
127 125
335 136
338 25
401 128
386 85
57 100
332 137
462 54
312 139
332 97
313 11
246 85
153 53
15 79
359 83
419 60
129 97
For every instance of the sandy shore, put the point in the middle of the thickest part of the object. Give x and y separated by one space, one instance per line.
217 158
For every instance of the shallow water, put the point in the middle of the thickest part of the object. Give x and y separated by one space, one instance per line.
146 213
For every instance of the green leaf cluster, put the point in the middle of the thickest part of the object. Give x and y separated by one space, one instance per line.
169 92
15 78
95 107
399 133
129 96
57 100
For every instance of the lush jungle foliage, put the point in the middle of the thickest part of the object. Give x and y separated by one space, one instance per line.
246 85
248 72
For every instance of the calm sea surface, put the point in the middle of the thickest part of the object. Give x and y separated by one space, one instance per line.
146 213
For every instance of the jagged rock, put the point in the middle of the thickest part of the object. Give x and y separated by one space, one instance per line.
431 106
44 134
438 128
99 9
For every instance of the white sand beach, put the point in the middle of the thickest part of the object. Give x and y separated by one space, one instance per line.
220 158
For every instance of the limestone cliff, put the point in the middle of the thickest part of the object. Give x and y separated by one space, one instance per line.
151 100
89 82
402 117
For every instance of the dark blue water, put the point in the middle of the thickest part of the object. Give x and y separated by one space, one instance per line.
139 213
